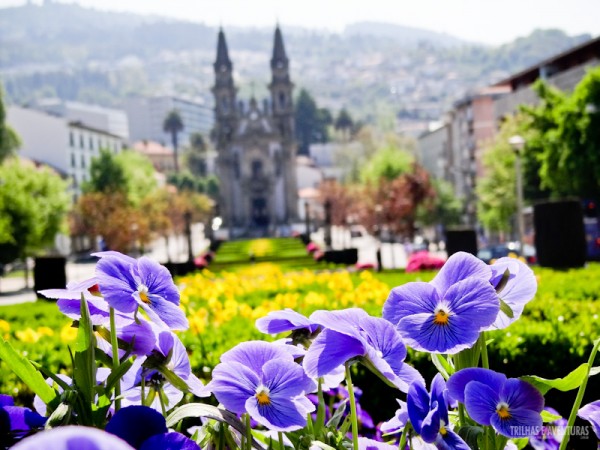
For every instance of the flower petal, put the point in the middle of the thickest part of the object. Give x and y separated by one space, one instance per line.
408 299
255 354
282 321
475 301
280 415
163 312
458 267
343 321
330 350
171 441
417 401
286 379
457 383
481 402
232 384
115 278
158 280
522 423
520 394
73 437
135 424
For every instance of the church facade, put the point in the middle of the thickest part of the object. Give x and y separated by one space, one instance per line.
256 147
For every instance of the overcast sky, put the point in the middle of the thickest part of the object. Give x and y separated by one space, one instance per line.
486 21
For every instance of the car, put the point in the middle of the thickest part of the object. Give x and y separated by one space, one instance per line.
493 252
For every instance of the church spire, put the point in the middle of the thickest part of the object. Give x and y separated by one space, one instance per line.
279 58
223 61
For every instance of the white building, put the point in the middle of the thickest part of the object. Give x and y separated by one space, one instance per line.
113 121
147 114
65 145
433 146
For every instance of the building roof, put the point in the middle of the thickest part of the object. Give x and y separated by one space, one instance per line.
152 148
83 126
562 61
222 52
278 49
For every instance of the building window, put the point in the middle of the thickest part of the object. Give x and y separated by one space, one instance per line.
83 161
257 168
91 143
71 139
81 143
73 163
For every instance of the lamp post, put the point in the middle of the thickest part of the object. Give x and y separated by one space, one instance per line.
378 210
518 143
307 219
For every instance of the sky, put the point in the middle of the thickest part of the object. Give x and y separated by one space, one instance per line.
485 21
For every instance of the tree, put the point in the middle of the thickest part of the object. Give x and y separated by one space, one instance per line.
9 140
311 122
195 157
106 174
140 176
565 138
388 163
344 124
33 205
173 124
445 208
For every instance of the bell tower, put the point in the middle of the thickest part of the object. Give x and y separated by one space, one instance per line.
225 95
281 89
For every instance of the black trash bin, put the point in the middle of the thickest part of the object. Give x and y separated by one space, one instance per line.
49 272
461 240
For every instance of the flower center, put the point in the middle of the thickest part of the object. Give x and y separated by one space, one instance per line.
441 316
262 395
143 291
502 411
443 430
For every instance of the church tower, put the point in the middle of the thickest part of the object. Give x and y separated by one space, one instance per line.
256 148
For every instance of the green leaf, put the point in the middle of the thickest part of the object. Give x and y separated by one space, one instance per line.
84 370
521 443
568 383
209 412
506 309
60 416
549 417
174 379
337 415
442 365
26 372
470 434
502 283
116 375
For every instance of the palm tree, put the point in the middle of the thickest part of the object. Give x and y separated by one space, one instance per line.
173 124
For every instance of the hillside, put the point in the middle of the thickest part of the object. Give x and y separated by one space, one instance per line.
374 69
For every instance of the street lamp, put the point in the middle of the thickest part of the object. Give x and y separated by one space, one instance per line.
307 219
378 211
518 143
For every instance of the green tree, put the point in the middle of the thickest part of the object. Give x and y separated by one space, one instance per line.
496 189
173 124
33 205
311 122
445 208
565 138
344 123
140 179
195 157
106 175
9 140
388 163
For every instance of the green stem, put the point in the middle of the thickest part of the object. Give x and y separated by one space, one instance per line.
280 435
248 433
579 398
353 415
115 356
143 392
320 410
404 436
484 353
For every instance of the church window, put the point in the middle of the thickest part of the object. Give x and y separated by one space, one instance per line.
257 168
282 99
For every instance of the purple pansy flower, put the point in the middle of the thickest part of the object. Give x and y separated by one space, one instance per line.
128 284
353 333
428 413
285 320
551 435
446 314
170 441
17 421
262 379
511 406
518 291
370 444
397 423
169 353
591 413
73 437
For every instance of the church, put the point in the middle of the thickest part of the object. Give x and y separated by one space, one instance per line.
256 148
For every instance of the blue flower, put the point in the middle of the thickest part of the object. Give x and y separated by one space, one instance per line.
73 437
285 320
351 333
397 423
591 413
17 421
169 441
128 284
447 314
511 406
428 413
551 435
370 444
263 380
518 291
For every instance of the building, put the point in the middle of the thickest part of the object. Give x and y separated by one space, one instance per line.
64 145
146 116
256 148
432 148
563 71
161 157
113 121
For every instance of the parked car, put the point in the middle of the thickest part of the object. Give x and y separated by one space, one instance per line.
493 252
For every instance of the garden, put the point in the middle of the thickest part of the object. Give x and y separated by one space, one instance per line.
241 297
